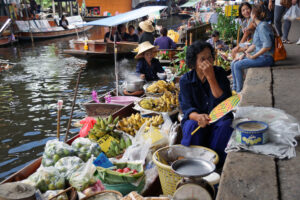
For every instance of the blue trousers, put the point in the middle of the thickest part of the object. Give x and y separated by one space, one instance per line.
215 136
238 66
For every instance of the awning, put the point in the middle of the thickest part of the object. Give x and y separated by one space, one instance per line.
190 4
125 17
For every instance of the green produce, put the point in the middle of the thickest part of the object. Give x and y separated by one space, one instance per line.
51 193
85 148
54 151
102 127
68 165
46 178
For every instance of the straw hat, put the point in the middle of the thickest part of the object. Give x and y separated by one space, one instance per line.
143 47
146 26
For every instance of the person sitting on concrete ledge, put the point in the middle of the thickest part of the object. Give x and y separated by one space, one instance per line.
202 89
259 54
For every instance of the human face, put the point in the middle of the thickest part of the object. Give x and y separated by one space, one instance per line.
253 16
215 39
203 56
246 11
131 30
148 55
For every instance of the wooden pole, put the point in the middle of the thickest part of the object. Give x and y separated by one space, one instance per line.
59 107
53 8
73 104
116 65
27 15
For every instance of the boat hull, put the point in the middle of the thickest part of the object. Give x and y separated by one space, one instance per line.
51 34
5 41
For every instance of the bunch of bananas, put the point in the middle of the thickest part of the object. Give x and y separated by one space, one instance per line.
102 127
131 124
161 86
154 121
166 103
116 148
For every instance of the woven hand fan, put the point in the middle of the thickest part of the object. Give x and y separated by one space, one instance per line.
222 109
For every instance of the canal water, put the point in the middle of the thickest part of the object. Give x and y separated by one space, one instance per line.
30 90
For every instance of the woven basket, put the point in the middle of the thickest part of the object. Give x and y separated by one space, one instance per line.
167 177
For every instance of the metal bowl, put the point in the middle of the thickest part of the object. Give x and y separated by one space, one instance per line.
132 86
193 167
162 76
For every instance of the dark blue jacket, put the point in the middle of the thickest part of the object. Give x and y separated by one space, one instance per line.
196 96
142 67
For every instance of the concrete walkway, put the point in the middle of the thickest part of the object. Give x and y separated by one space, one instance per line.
258 177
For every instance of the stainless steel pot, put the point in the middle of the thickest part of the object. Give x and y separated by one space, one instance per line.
134 85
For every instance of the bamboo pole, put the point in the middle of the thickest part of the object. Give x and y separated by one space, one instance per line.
73 104
53 8
30 30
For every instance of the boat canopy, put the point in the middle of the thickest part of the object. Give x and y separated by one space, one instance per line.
190 3
126 17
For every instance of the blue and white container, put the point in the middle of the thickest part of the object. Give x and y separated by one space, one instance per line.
252 132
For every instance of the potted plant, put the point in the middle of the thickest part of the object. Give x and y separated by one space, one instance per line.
179 62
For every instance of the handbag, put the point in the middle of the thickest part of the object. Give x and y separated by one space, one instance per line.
286 3
279 51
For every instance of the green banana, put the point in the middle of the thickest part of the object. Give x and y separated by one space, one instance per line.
122 144
116 120
128 142
102 124
109 119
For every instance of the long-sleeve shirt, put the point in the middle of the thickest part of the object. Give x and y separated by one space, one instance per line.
196 96
164 42
219 42
146 36
150 72
264 38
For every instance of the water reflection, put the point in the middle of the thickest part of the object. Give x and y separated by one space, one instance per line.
29 93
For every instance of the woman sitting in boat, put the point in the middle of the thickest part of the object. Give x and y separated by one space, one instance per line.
122 32
109 36
147 34
63 22
202 89
148 66
216 42
164 42
131 36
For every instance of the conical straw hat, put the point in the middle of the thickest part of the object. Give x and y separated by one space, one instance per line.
143 47
146 26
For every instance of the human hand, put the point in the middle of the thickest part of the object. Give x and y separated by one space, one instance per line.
250 56
220 46
207 69
202 119
142 76
239 57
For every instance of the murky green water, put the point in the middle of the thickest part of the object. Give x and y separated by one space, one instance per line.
29 93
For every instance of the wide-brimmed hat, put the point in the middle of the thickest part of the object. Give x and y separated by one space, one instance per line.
143 47
146 26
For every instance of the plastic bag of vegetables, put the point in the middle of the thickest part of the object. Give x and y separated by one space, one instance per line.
54 151
85 148
51 193
68 165
84 176
46 178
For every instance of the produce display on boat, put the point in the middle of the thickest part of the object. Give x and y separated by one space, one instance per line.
85 148
54 151
133 123
52 193
68 165
161 86
166 103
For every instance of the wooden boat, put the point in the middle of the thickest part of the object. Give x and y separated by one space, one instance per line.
4 41
101 50
51 34
44 29
31 168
